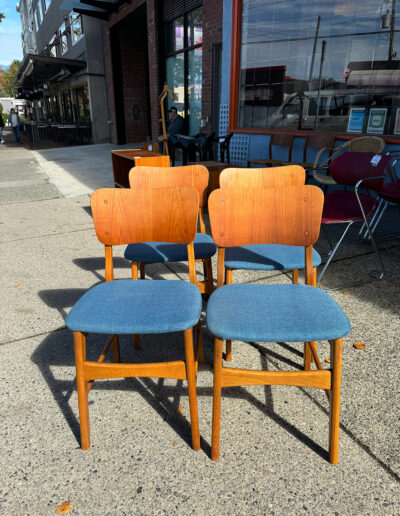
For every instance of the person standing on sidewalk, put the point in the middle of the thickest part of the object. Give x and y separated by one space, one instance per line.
15 122
1 128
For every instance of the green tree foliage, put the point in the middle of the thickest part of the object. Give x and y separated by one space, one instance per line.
1 17
7 86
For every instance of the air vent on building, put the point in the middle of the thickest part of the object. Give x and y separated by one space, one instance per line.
171 9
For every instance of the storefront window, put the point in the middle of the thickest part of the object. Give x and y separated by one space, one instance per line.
66 106
184 37
321 66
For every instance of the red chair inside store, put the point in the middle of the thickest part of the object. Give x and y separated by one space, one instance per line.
356 169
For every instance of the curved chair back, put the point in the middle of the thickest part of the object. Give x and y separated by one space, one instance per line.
351 167
276 177
155 215
367 144
286 216
159 177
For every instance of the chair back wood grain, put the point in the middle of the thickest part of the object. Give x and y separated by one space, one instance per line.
286 216
281 140
153 161
155 215
157 177
272 177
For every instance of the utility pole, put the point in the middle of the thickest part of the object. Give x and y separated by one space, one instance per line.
392 54
314 49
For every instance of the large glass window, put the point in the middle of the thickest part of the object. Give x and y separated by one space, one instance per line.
183 46
327 66
63 39
81 104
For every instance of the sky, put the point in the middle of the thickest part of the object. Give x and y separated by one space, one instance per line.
10 33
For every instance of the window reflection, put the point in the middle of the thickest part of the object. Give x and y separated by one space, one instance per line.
304 65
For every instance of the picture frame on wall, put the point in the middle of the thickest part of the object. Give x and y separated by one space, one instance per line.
376 120
396 128
356 120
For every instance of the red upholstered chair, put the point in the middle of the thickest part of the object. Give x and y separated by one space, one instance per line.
346 207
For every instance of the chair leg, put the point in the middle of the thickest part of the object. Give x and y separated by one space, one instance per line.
82 385
334 413
115 349
295 276
307 357
142 270
209 276
136 342
228 345
217 386
199 344
334 251
191 380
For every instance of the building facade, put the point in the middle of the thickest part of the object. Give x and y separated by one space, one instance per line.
62 73
149 43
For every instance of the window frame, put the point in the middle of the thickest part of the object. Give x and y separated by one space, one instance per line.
71 24
234 91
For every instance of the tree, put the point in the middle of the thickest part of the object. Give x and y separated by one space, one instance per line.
1 17
7 86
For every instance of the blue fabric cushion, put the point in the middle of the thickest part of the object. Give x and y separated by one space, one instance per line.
275 313
268 257
156 252
137 306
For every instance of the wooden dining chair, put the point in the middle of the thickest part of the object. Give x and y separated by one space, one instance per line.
276 140
266 257
272 313
162 252
139 307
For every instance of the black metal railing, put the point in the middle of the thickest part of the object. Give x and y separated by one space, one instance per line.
41 135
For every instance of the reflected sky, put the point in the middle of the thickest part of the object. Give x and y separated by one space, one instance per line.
282 32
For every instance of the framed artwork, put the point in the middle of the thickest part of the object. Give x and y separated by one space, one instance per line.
396 128
376 120
356 120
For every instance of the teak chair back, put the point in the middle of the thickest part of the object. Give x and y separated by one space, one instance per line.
152 161
131 216
274 177
285 216
158 177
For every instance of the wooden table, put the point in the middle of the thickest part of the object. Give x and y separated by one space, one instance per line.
124 160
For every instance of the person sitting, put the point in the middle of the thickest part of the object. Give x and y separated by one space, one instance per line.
175 123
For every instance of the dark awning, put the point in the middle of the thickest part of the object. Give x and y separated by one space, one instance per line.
37 70
94 8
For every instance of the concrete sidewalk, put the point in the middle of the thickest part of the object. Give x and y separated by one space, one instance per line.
273 440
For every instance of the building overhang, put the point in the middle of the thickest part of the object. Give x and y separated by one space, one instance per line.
95 8
38 71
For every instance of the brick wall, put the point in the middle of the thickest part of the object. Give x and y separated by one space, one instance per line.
212 33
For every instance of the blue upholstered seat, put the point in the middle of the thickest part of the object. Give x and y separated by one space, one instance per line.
275 313
268 257
156 252
137 306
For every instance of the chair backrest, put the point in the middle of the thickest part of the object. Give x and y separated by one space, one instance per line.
318 141
155 215
157 177
281 140
367 144
153 161
291 175
287 216
350 167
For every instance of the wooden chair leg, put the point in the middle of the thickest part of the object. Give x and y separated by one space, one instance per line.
142 270
307 357
136 342
115 349
217 386
295 276
209 276
314 277
82 385
334 413
199 344
228 345
191 380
